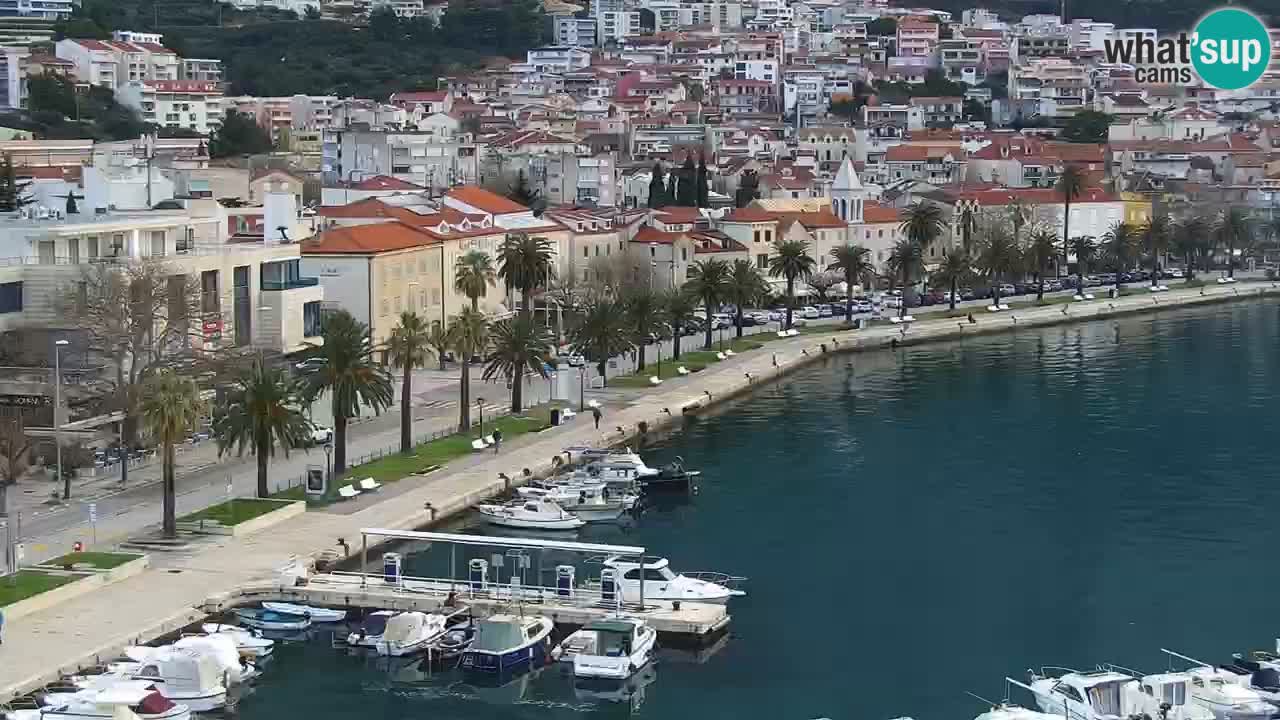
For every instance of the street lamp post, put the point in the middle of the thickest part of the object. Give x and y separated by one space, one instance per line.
57 408
480 407
582 387
328 466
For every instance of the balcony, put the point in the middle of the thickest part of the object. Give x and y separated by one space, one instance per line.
290 283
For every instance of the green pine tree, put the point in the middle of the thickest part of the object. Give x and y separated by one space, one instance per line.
13 194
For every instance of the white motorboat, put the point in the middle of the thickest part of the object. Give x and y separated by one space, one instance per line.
610 649
504 642
248 642
222 648
181 675
1008 711
369 634
410 632
272 620
531 514
1221 692
590 502
317 614
138 696
1259 670
1111 693
661 583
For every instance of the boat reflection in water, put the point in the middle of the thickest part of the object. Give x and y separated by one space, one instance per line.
630 691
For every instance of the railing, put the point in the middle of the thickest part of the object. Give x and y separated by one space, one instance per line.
291 283
584 596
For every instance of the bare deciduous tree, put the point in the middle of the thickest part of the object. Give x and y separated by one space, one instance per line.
15 456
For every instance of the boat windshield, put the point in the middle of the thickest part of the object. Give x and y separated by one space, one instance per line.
613 644
1105 698
498 637
375 624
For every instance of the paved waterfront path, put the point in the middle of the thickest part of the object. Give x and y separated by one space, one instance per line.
164 597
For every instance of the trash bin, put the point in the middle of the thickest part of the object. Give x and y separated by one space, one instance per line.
555 417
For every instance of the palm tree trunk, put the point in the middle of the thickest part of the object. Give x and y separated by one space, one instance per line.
791 300
260 450
953 293
1066 227
464 399
640 354
995 293
902 301
1155 268
737 320
475 303
170 522
1231 258
339 443
707 305
1191 269
517 392
677 331
848 299
604 379
1040 285
406 411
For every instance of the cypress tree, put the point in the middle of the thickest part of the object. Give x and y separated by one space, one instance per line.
657 191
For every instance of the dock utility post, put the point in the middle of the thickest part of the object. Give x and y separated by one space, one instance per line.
609 587
478 574
564 580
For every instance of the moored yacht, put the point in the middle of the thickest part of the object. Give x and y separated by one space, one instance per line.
530 514
316 614
138 696
409 633
661 583
609 649
181 675
1221 692
590 502
505 642
371 629
249 643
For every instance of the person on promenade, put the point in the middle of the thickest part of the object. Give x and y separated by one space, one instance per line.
497 441
595 413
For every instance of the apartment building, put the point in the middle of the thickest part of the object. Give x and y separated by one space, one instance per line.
201 70
114 63
186 104
719 14
13 77
42 9
421 158
962 61
1050 87
574 31
917 38
739 97
939 111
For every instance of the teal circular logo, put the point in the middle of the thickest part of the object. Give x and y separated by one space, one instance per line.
1230 48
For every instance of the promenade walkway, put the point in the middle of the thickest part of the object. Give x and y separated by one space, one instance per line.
164 597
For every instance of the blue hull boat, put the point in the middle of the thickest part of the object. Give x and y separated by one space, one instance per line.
507 642
272 620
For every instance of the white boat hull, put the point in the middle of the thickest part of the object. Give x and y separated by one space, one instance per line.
317 614
198 703
494 517
247 643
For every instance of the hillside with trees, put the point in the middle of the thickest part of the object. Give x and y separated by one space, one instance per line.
280 54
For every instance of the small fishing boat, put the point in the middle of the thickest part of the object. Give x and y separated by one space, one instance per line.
369 634
222 648
1220 691
1258 670
272 620
182 675
504 642
249 643
138 696
661 583
1109 693
610 649
409 633
317 614
590 502
531 514
455 641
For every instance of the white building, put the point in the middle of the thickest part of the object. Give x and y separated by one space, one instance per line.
297 6
113 63
201 69
1051 87
41 9
578 32
13 77
175 103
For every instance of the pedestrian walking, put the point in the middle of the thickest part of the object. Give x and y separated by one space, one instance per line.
497 441
595 413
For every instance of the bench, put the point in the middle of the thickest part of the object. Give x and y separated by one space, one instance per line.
730 353
568 414
682 370
347 492
593 403
721 356
369 484
655 380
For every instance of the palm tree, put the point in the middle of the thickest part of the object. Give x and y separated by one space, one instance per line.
1190 240
956 267
922 225
351 376
408 347
1232 230
746 288
473 274
1119 246
439 342
709 282
1156 235
170 406
645 317
854 261
905 258
525 265
681 309
790 260
519 346
1040 252
1085 250
263 409
1070 185
601 333
998 256
468 336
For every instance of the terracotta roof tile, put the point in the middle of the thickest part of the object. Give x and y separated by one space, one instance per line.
385 182
490 202
367 239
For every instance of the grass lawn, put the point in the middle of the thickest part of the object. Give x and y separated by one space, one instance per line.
29 582
98 560
692 360
436 453
234 512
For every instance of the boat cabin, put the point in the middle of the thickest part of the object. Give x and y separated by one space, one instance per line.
1096 694
1168 688
612 638
501 633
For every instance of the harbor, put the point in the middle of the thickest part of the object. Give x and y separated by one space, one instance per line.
1069 510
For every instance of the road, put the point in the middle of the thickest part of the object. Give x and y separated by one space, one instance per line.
51 529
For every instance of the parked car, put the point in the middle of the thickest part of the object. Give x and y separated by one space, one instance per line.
1007 289
721 321
321 435
824 310
777 315
309 365
809 312
1175 273
891 301
575 360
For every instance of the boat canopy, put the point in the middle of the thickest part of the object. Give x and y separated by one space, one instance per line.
405 627
376 623
617 626
499 635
